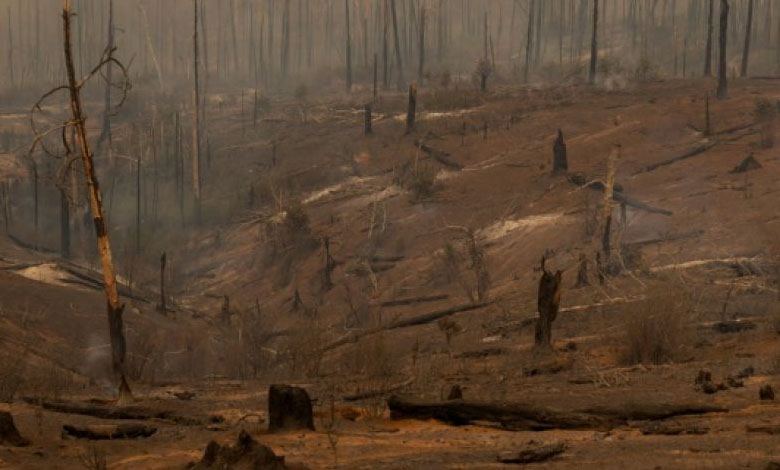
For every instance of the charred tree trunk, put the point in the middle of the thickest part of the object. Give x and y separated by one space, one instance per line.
196 117
582 272
385 70
548 302
560 160
396 39
375 78
349 49
289 408
411 111
106 132
708 48
748 32
421 68
529 40
723 86
707 125
115 309
163 260
64 225
368 119
594 49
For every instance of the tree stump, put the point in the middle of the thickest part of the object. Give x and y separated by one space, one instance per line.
560 160
410 113
766 393
549 301
456 393
582 273
368 129
9 435
289 408
247 453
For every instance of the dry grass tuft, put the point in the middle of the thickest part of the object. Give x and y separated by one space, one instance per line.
657 330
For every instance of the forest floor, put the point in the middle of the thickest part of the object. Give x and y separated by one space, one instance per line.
395 217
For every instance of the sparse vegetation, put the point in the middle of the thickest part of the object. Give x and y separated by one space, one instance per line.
656 330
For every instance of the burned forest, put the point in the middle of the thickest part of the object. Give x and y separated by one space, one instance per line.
389 234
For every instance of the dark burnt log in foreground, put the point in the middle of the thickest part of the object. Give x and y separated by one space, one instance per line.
9 435
289 408
533 453
136 412
105 432
532 417
560 161
513 416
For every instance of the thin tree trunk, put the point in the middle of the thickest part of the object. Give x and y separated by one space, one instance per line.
748 32
398 61
196 118
708 48
149 44
421 70
349 48
723 86
529 40
594 49
115 309
385 71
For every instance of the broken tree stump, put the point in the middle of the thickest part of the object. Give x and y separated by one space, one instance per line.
247 453
748 164
410 113
582 272
104 432
766 393
533 453
9 435
289 408
548 302
456 393
560 160
368 129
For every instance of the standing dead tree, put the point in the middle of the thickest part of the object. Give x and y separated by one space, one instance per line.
748 31
594 49
548 302
349 49
78 123
196 117
723 86
560 161
708 48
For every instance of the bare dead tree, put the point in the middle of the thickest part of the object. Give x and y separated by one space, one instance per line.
548 302
723 86
748 31
349 48
708 48
78 124
196 118
398 61
594 49
529 40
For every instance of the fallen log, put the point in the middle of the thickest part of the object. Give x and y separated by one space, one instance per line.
414 300
104 432
617 195
669 161
652 411
533 454
439 155
673 429
405 323
530 417
376 393
773 429
134 412
630 202
514 416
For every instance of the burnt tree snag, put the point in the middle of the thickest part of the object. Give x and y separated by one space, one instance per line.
398 61
548 302
410 112
115 309
707 125
723 86
594 49
329 265
349 49
560 161
9 435
748 31
368 129
289 408
708 48
246 453
582 272
163 260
